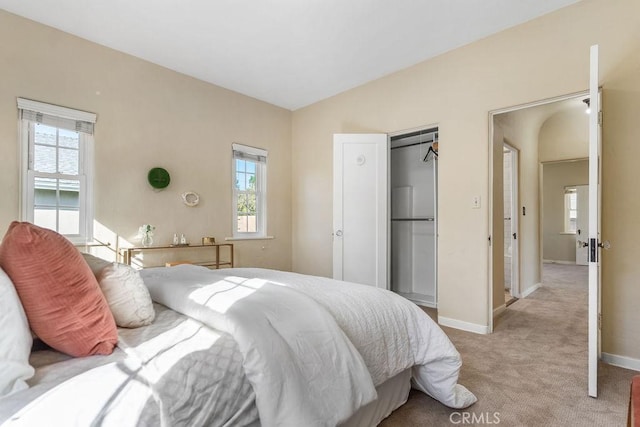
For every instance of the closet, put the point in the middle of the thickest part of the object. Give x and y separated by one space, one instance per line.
413 178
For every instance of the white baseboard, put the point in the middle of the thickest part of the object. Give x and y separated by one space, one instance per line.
621 361
464 326
529 290
498 311
553 261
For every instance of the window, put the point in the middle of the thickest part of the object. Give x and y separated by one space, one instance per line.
570 209
57 160
249 192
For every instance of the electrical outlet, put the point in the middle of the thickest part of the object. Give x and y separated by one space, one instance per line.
475 202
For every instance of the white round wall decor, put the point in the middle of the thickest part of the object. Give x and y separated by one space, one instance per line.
190 198
361 160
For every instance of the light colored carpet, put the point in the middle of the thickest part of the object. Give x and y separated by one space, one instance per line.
532 371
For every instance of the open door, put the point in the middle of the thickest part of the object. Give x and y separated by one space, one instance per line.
360 208
511 200
595 133
582 224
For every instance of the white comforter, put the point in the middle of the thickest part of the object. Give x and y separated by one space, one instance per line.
176 372
303 370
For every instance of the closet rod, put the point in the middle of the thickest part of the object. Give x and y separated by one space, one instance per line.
413 219
431 131
415 143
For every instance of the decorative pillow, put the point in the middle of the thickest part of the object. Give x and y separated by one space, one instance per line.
127 295
59 293
95 264
15 340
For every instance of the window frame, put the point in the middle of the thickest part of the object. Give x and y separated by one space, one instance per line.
259 158
28 174
568 192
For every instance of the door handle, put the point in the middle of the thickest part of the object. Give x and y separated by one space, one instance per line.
606 245
339 233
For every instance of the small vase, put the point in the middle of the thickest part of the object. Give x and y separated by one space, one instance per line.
147 240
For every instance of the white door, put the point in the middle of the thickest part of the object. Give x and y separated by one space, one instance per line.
594 223
582 224
511 231
360 208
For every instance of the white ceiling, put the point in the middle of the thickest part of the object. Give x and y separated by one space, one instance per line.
290 53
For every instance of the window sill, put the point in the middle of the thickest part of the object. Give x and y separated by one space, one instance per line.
232 239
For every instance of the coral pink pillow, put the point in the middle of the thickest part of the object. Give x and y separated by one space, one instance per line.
59 293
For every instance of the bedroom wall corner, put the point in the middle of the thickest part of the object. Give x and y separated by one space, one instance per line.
148 116
456 90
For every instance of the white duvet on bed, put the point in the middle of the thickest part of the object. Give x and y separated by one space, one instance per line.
304 370
176 372
390 334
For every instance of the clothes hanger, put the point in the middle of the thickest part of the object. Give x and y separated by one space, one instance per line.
431 150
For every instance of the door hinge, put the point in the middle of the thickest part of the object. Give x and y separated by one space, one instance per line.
515 236
600 117
599 321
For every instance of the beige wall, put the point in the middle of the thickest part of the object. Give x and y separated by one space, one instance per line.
620 208
557 245
147 116
520 130
544 58
565 136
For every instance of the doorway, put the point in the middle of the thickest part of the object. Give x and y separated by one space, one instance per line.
545 131
565 207
413 226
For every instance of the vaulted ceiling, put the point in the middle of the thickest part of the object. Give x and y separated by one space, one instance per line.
290 53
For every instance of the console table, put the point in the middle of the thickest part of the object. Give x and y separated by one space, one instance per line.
216 262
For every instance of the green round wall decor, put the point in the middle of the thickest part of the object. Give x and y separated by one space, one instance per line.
159 178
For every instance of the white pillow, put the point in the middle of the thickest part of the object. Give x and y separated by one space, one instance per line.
15 340
127 295
95 264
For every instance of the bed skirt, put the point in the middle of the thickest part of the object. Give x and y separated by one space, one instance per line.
392 394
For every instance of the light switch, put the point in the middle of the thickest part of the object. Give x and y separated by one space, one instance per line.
475 202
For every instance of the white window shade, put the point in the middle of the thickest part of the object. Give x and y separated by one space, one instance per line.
56 116
246 152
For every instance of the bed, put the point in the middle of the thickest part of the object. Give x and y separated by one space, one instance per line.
247 347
